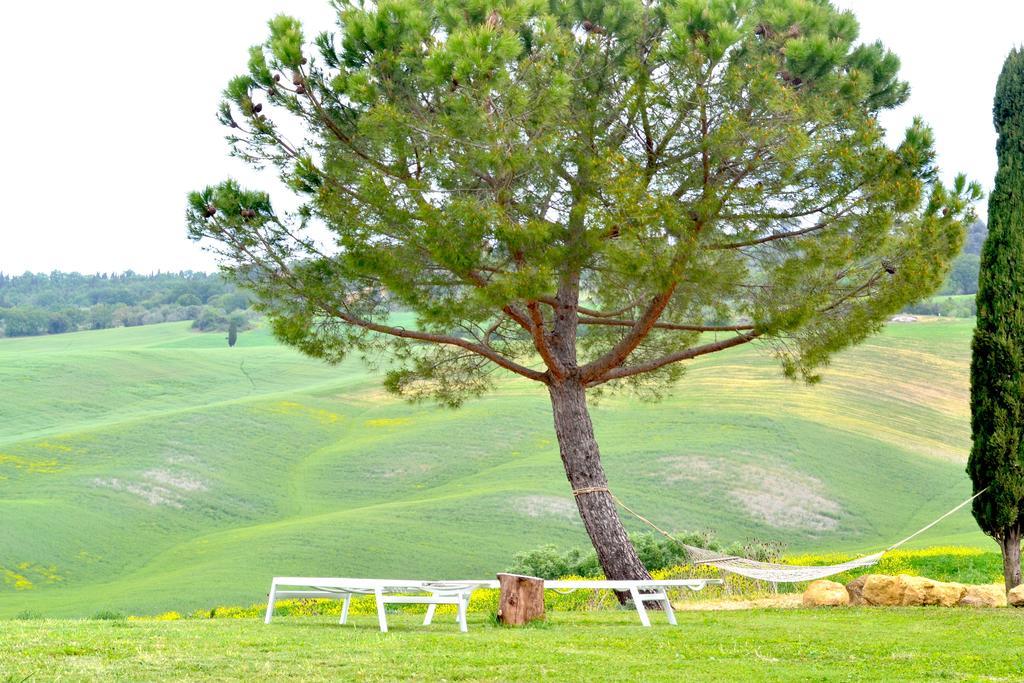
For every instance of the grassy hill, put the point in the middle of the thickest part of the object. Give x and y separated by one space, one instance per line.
153 468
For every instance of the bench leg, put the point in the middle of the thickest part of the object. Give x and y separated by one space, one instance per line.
344 609
639 604
461 616
669 612
382 618
431 608
271 599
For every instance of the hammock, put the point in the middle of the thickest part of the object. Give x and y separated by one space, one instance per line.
774 572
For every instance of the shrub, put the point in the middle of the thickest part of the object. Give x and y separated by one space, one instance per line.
108 615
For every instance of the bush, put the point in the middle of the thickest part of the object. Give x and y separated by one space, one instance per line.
108 615
25 321
213 319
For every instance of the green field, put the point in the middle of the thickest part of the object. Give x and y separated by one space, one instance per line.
861 644
153 468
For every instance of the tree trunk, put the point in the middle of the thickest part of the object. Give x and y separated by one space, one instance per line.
582 461
521 600
1010 546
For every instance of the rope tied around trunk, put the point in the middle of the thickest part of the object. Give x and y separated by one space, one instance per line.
592 489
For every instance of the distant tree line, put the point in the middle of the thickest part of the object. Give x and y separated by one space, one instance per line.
57 302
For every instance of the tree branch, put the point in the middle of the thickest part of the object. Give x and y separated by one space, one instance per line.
540 341
776 236
625 346
685 354
666 326
403 333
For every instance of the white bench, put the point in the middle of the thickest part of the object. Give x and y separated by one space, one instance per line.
434 593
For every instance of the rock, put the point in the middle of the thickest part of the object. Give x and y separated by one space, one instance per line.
880 589
993 595
921 591
822 593
856 590
1016 596
909 591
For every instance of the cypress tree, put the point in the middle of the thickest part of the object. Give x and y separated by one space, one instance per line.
232 333
997 366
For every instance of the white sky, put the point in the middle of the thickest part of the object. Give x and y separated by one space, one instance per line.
108 112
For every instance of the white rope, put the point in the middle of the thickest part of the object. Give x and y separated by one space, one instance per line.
929 526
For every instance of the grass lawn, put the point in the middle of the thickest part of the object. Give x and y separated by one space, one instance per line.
845 644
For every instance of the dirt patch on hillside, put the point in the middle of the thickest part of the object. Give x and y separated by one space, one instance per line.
151 493
160 486
416 469
777 496
785 499
177 480
545 506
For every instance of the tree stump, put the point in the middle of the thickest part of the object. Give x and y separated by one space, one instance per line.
521 600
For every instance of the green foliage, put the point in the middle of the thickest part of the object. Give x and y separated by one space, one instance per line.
24 322
963 276
213 319
548 562
976 235
963 273
997 366
686 162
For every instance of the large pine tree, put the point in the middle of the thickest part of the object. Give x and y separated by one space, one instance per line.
584 194
997 367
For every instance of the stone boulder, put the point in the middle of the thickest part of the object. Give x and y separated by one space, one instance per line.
822 593
856 590
920 591
908 591
1016 596
993 595
879 589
